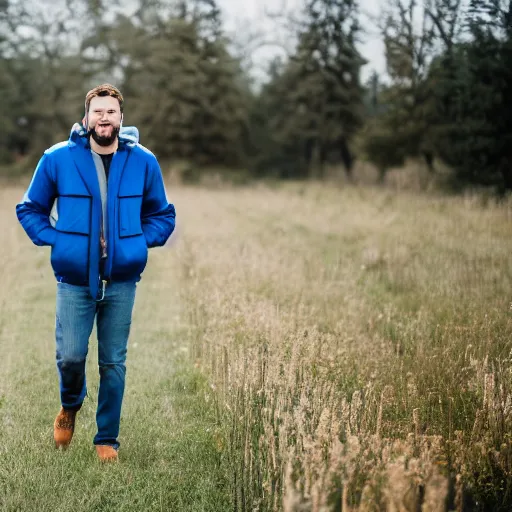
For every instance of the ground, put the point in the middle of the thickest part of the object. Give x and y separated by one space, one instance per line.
295 347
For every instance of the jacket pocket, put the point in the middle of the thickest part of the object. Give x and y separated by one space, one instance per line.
70 253
70 257
74 214
129 216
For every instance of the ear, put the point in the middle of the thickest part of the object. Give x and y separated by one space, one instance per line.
84 122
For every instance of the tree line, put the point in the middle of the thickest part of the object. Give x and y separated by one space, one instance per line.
446 97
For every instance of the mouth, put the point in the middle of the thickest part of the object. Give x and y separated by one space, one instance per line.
104 128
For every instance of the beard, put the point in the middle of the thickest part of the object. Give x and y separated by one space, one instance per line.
103 140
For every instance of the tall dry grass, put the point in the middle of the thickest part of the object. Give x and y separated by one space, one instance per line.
359 342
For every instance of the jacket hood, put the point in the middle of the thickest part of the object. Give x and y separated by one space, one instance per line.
127 135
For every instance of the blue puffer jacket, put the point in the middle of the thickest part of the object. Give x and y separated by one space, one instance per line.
138 214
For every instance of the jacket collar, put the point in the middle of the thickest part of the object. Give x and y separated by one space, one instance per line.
81 152
128 135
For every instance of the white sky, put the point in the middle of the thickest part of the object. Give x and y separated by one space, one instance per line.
243 17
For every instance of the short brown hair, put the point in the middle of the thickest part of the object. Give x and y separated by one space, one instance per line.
104 90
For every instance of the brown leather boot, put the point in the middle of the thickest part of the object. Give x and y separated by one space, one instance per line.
63 428
106 453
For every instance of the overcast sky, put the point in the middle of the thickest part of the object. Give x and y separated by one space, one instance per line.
249 15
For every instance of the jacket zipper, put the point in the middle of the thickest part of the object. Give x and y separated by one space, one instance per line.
110 220
104 243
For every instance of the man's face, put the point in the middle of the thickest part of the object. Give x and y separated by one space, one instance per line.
104 119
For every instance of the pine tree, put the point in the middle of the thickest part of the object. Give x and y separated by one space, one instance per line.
475 134
409 51
182 84
317 94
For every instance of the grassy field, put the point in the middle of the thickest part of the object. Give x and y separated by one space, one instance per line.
169 456
295 348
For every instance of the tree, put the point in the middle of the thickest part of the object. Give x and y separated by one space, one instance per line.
382 138
475 92
183 87
41 74
409 51
317 93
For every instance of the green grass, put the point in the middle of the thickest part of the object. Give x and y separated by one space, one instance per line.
295 348
165 463
168 461
169 458
172 448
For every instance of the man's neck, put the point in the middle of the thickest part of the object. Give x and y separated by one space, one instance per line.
104 150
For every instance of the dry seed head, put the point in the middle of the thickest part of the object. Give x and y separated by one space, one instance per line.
323 430
352 455
385 397
398 488
436 492
315 498
459 493
355 411
335 456
478 425
412 389
416 421
345 414
458 449
488 403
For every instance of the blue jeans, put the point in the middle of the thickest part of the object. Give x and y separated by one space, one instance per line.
75 314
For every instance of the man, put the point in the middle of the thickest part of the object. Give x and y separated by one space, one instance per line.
99 201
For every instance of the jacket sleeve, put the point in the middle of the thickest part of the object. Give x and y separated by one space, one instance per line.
33 211
158 216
